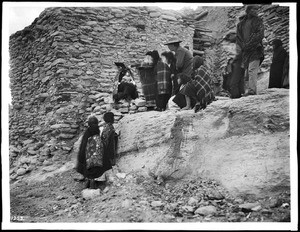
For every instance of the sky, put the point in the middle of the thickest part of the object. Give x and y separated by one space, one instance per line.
23 14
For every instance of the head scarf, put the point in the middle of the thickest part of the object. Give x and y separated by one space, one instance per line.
277 43
155 56
197 62
184 78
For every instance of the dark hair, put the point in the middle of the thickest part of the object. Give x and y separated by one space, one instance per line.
92 121
109 117
148 53
197 62
184 78
155 56
277 42
169 56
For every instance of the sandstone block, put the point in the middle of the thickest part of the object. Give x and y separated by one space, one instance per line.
21 171
90 193
206 210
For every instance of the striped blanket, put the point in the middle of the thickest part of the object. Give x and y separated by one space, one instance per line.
149 84
164 81
201 88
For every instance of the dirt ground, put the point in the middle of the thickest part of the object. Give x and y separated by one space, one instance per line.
133 197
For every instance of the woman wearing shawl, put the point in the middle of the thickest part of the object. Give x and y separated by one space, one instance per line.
96 154
89 159
276 70
147 71
199 88
164 83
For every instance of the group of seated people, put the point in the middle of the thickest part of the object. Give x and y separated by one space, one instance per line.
161 83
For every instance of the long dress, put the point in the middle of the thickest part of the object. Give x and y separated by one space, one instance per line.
276 70
109 140
97 153
237 78
89 159
285 75
164 85
149 85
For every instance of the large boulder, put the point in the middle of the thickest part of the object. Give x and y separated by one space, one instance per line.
242 143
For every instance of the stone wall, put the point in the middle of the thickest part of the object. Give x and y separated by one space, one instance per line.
62 68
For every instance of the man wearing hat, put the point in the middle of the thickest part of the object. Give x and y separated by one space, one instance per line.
250 33
184 58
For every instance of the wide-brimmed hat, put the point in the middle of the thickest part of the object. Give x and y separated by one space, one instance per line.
173 40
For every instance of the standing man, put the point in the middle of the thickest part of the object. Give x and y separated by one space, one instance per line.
250 33
184 58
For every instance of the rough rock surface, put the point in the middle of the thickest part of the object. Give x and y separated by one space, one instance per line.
242 143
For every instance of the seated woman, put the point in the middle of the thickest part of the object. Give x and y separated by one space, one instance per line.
198 89
127 89
147 72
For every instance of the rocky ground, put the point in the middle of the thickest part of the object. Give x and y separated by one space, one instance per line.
132 197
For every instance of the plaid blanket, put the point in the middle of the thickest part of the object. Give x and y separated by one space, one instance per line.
201 88
164 81
149 85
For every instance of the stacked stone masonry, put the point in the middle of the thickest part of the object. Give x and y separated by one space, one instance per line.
62 69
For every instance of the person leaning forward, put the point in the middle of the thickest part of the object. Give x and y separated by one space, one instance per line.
184 58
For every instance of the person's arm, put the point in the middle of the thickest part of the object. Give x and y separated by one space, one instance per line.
179 59
239 38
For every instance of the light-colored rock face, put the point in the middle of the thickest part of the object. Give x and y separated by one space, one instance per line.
242 143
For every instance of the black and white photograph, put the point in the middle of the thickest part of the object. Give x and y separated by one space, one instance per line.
149 116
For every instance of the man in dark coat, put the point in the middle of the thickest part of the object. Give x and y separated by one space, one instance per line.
250 33
184 58
276 70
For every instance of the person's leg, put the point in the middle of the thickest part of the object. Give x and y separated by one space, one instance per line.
188 103
253 72
242 82
159 102
92 184
165 101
